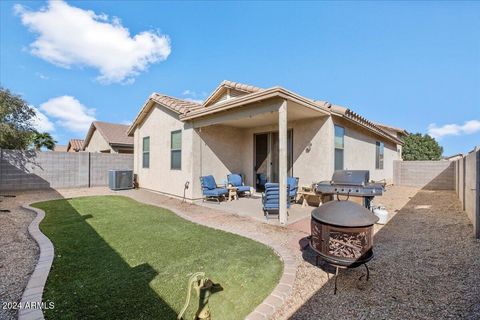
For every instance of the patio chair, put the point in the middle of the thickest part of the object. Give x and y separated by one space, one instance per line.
292 188
235 180
210 190
271 199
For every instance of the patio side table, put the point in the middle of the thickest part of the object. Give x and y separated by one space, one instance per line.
232 193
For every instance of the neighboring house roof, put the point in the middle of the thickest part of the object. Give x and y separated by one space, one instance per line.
188 110
114 134
75 144
60 148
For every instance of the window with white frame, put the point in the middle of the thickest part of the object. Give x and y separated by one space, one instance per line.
176 150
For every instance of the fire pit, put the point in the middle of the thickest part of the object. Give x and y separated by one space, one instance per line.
342 235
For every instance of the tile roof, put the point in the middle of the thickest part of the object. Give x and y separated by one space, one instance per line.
75 144
60 148
240 86
174 104
113 133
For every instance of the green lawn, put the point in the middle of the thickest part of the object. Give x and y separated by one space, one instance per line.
116 258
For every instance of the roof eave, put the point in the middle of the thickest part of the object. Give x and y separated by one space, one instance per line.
254 97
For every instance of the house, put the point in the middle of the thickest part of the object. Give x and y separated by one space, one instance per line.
108 138
60 148
241 128
75 145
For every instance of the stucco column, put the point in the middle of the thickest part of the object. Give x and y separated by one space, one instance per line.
282 154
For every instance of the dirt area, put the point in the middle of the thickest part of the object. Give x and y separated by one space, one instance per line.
426 266
426 262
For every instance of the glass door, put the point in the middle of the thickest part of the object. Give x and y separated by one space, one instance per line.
267 157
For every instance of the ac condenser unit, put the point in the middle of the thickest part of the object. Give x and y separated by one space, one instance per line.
120 179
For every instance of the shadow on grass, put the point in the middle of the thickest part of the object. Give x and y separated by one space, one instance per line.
89 279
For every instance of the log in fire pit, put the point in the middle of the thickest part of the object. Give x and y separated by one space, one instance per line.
342 235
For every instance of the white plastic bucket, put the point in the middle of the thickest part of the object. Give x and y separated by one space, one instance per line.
382 215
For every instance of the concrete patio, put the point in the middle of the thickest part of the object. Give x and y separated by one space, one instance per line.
252 207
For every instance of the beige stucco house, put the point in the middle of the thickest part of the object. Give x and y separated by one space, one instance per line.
244 129
108 138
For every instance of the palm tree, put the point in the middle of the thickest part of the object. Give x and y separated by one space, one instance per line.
43 140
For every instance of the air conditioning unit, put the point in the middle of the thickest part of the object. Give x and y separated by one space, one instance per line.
120 179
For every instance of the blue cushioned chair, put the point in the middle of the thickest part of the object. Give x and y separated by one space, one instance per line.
271 199
236 181
292 188
210 190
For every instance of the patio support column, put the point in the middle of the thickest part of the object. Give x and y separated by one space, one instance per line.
282 153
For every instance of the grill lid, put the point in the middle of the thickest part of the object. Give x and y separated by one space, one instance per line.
344 214
351 177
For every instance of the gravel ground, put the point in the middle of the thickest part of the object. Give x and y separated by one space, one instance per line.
18 254
427 266
427 263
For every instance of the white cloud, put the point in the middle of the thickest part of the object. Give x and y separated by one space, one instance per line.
69 113
42 76
468 127
69 36
41 122
193 96
199 101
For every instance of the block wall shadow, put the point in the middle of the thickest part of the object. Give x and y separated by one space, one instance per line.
89 279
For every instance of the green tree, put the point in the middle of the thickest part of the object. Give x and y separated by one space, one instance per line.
421 147
41 140
16 128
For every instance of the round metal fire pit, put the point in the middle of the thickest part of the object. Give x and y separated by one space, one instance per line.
342 233
344 214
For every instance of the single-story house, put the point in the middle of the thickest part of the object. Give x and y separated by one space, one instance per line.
75 145
108 138
253 131
60 148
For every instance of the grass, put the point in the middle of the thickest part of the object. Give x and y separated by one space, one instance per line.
116 258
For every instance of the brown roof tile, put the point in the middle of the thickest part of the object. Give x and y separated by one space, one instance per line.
174 104
75 145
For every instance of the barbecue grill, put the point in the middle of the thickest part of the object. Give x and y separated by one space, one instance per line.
351 183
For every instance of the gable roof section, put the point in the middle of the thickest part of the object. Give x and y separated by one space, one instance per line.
224 86
75 144
114 134
176 105
188 110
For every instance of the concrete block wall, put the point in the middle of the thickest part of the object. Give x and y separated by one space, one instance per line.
468 187
30 170
101 163
435 175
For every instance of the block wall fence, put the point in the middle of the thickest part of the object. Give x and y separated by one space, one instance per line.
31 170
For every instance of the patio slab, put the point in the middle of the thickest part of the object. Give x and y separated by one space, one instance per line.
252 207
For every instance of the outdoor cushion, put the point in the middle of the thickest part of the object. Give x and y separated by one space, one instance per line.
209 182
235 179
243 188
215 192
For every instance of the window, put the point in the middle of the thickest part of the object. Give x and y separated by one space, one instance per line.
176 150
146 152
379 155
339 144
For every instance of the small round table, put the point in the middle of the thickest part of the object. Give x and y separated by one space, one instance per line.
232 193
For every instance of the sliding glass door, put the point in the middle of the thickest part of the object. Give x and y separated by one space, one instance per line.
266 162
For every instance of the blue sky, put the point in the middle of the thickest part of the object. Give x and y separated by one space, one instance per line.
409 64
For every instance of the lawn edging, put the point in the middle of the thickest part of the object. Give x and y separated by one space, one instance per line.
282 291
32 295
